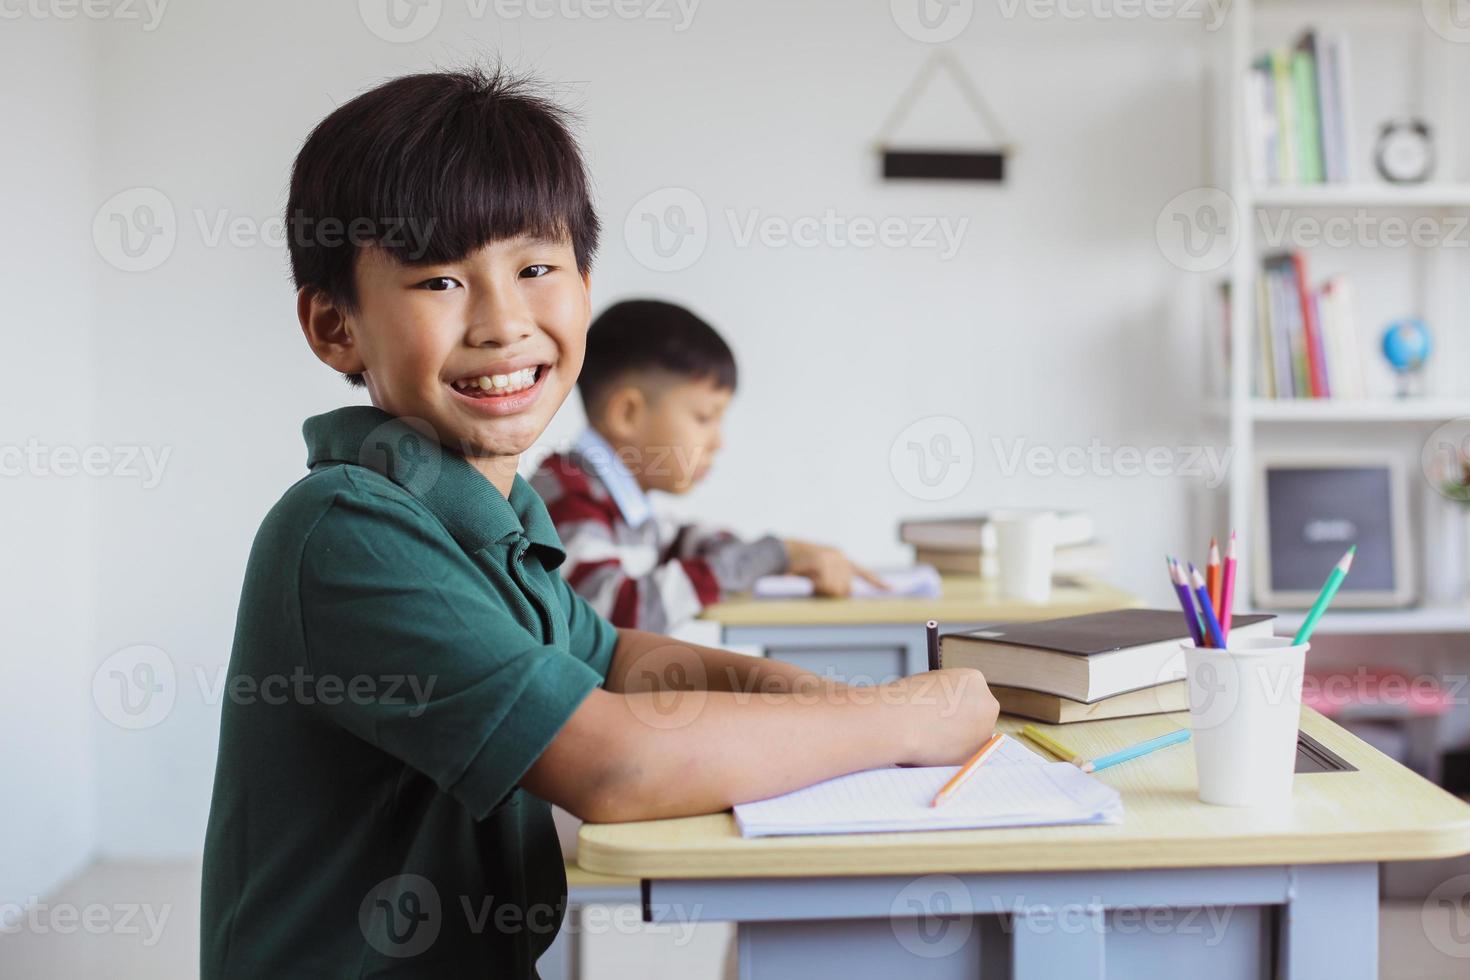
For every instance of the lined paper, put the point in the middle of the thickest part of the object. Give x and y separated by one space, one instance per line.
1014 788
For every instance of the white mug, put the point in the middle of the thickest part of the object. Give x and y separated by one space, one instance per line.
1025 550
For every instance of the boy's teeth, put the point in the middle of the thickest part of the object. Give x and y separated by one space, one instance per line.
500 383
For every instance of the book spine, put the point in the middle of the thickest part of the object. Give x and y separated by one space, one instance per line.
1343 78
1311 336
1304 85
1265 359
1285 115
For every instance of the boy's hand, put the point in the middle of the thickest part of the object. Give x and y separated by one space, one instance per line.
830 570
951 713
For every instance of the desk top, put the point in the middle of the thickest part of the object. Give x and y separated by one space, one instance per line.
963 599
1381 812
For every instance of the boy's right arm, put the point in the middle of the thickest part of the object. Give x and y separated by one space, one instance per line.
667 752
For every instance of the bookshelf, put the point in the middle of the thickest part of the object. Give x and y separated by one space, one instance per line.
1360 195
1427 70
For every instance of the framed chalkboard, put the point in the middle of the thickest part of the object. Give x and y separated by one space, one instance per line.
1311 509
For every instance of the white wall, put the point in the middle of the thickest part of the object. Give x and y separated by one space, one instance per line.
1053 323
47 398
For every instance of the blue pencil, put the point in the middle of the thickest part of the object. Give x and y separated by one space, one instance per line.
1177 577
1212 623
1134 751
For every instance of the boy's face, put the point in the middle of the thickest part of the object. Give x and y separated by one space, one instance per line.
670 432
485 349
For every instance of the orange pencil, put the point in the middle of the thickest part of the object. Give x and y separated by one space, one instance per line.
968 769
1212 576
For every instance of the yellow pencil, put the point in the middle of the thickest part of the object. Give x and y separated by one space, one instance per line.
958 779
1056 748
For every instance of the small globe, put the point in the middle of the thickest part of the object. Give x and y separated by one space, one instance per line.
1406 345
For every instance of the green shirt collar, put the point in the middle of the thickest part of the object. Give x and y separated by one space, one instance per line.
406 452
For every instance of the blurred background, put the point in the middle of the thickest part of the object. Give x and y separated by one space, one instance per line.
1057 338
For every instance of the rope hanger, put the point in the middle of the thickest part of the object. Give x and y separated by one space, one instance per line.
986 164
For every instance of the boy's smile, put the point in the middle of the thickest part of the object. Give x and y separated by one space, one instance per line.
485 349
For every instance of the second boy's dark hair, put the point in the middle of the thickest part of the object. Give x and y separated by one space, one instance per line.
649 334
432 167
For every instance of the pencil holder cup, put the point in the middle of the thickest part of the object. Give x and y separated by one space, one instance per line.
1245 703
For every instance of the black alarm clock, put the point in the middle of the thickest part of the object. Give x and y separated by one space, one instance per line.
1404 153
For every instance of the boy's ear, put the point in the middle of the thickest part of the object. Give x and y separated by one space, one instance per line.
622 413
326 331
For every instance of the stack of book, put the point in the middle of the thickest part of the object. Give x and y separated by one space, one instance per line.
1298 113
1085 668
966 545
1308 345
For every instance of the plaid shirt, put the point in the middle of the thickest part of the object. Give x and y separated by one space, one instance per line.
655 575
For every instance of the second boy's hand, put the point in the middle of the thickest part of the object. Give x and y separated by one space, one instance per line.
831 572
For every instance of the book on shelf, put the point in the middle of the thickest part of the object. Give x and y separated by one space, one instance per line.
976 533
1298 113
1084 658
1307 343
1309 336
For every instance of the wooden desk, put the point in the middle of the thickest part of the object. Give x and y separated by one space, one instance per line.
875 640
1179 887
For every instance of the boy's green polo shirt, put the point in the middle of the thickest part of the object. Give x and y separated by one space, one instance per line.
405 649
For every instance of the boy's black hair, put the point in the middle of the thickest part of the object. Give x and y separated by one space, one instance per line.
649 334
431 167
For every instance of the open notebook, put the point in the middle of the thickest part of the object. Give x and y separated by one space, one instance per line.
1015 787
918 582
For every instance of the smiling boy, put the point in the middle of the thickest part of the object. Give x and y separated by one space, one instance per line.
358 832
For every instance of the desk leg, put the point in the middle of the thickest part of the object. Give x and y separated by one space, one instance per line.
1044 947
1329 923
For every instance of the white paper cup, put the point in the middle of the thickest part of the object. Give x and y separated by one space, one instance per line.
1025 550
1245 703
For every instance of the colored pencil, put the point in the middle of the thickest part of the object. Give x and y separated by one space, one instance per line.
1227 589
1180 588
1134 751
1056 748
1212 576
931 629
1334 581
968 769
1212 625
